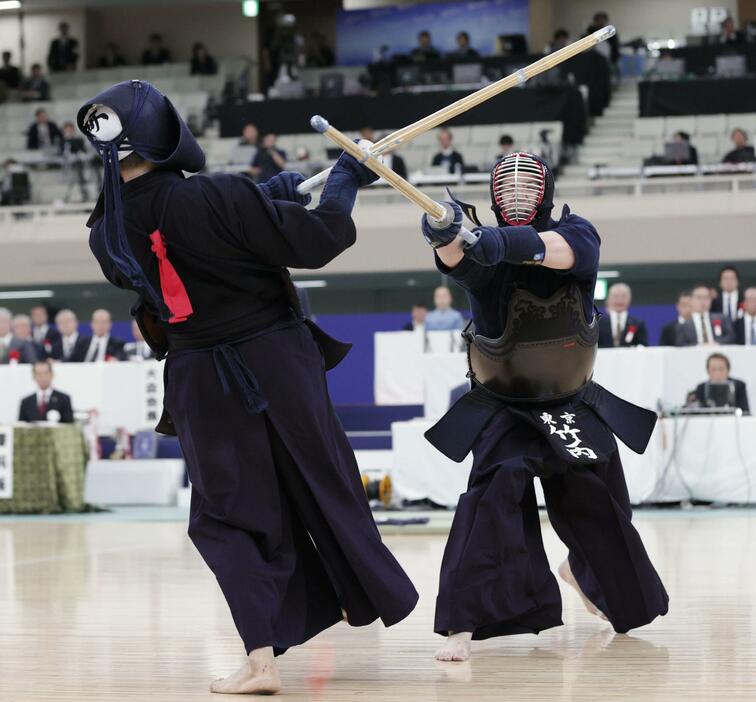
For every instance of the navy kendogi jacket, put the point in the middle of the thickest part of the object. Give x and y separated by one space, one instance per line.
488 287
228 243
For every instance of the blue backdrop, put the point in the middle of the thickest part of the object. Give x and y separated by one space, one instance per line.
352 381
360 33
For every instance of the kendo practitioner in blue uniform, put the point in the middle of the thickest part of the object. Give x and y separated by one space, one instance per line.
533 411
278 510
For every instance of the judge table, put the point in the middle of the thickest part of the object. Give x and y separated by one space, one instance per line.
42 468
704 458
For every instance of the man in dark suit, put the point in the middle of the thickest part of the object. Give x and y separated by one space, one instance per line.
729 300
64 51
9 74
671 332
618 327
44 333
46 404
29 349
12 348
101 346
447 156
718 368
43 134
705 328
139 349
745 327
73 347
419 312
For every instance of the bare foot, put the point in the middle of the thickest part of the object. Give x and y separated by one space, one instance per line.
565 573
456 647
258 676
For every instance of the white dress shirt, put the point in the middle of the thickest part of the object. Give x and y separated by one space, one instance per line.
44 396
97 348
730 304
703 321
40 333
749 329
69 342
618 320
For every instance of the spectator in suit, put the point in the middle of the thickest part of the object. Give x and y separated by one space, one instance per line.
559 41
137 350
718 369
728 34
101 346
10 74
44 333
745 327
729 298
203 64
463 48
609 48
245 151
447 156
419 313
444 317
46 404
708 327
35 88
73 347
269 161
618 327
70 142
43 134
30 351
743 151
684 138
506 147
64 51
14 349
155 54
112 57
425 51
671 333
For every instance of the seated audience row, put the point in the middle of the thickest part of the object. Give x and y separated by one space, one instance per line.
27 339
704 316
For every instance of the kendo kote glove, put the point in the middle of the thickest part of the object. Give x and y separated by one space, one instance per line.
284 187
439 234
345 178
520 246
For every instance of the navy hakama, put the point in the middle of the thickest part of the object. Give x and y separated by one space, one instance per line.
278 509
495 577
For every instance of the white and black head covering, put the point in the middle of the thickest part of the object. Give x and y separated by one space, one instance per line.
134 117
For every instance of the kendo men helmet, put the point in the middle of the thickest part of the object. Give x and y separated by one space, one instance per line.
522 191
134 117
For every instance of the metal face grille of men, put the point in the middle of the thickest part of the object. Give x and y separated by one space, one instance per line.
278 509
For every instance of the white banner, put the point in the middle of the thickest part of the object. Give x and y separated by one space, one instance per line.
6 462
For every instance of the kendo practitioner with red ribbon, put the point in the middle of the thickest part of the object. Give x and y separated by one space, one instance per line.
278 509
534 411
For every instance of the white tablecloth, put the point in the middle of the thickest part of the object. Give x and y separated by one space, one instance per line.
703 458
134 482
407 372
126 394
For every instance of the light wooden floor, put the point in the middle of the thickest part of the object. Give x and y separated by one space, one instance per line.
106 611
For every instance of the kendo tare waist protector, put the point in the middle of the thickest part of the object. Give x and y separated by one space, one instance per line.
544 360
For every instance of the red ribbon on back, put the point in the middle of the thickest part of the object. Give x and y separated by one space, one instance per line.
174 292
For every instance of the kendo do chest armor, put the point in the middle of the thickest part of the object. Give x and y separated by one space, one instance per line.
547 351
